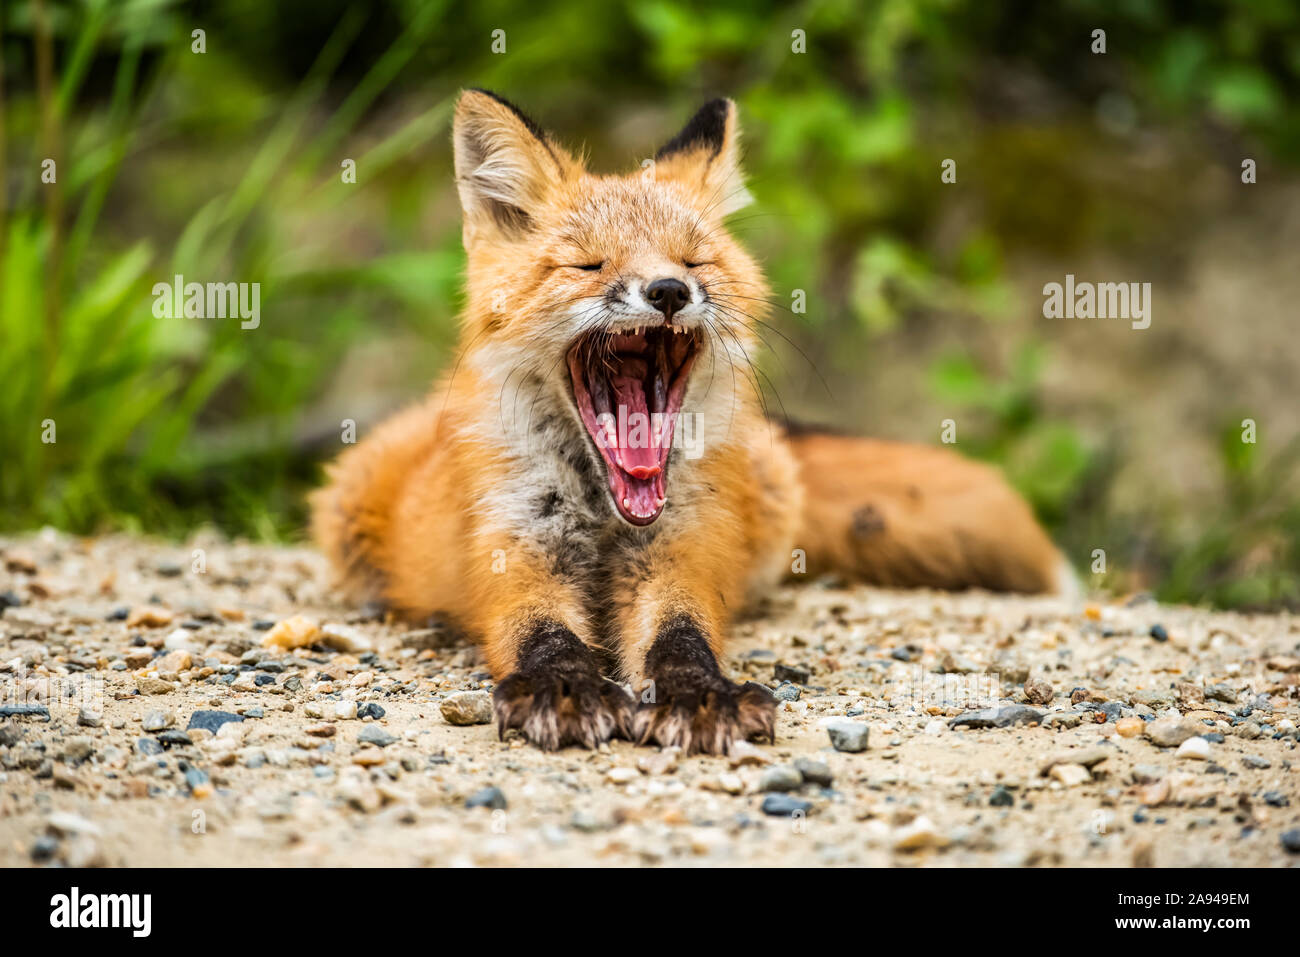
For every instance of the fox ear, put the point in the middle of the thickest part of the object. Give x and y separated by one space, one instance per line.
506 166
706 155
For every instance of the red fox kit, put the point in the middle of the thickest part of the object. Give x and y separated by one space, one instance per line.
594 490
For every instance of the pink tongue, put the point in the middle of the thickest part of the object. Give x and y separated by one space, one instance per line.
636 448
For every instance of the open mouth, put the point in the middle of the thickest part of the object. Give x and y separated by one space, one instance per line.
628 388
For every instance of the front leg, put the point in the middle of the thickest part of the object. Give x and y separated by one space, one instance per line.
671 627
540 647
688 702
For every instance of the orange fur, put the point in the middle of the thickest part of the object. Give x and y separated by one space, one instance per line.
486 503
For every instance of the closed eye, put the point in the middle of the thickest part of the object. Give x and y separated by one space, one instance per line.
691 265
588 267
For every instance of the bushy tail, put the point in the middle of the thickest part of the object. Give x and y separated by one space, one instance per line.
889 513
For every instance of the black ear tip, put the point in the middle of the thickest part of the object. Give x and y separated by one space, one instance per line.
707 129
489 94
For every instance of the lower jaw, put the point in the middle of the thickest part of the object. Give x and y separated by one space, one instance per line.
639 502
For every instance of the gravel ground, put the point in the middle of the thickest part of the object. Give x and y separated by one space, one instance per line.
211 704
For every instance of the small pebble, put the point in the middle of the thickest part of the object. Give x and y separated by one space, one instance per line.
157 720
376 735
489 797
1039 691
850 736
784 805
814 771
788 692
780 778
467 708
1291 840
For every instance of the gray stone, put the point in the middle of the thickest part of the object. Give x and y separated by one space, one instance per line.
374 734
24 711
157 720
211 720
43 848
787 692
814 771
194 777
848 736
782 777
1003 717
1291 840
783 805
489 797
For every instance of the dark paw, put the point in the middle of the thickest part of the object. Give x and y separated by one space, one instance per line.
705 714
555 708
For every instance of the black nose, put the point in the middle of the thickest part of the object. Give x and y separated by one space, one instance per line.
667 295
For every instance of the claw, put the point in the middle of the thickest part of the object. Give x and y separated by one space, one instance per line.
706 714
561 707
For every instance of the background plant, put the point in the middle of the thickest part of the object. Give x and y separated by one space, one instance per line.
922 298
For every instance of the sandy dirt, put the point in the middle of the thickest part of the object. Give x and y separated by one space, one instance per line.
109 647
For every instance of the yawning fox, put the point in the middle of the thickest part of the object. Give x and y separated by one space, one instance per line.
593 490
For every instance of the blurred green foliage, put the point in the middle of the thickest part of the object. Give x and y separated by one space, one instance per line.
226 165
